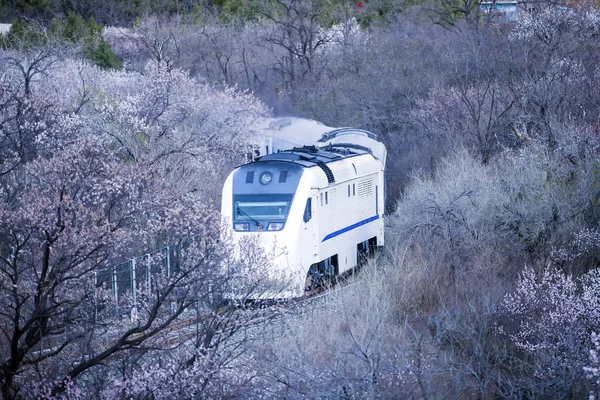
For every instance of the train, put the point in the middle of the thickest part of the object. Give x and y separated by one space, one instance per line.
317 209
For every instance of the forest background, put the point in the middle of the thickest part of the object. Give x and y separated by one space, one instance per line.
119 121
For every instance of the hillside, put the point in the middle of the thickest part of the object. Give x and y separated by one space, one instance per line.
116 136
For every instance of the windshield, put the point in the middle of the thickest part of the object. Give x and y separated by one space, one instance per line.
262 207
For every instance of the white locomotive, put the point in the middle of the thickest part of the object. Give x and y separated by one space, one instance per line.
320 206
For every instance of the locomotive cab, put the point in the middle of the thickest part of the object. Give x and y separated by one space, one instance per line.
262 196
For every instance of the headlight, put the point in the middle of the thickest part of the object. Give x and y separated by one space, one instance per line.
275 226
265 178
241 226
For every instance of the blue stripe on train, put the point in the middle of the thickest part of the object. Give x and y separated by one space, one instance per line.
349 228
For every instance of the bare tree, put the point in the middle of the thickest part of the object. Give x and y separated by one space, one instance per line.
296 30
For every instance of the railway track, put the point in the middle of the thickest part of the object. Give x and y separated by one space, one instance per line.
258 314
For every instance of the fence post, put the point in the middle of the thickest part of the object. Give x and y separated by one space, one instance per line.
133 282
95 295
148 274
168 261
114 282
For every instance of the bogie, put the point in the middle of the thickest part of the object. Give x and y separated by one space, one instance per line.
322 275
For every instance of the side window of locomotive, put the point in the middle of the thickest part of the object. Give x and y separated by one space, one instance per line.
348 190
308 210
321 199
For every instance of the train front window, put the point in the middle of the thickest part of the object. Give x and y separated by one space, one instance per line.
262 207
276 210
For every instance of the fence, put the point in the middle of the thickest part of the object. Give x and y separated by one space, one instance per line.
132 276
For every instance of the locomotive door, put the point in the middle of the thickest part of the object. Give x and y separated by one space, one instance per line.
311 225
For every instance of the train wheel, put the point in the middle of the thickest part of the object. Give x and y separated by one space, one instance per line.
321 275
